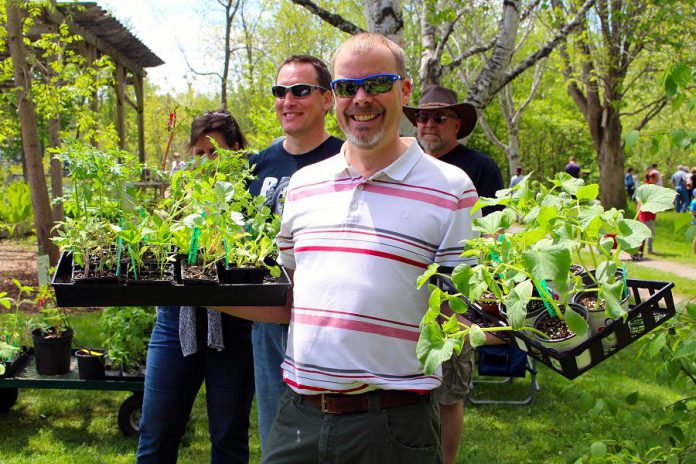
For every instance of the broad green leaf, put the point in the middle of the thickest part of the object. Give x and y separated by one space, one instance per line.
485 201
432 348
631 139
2 369
576 323
568 183
457 305
477 337
611 294
687 349
461 276
194 220
631 234
451 325
654 199
606 271
550 263
436 298
430 315
587 192
492 223
425 277
516 303
598 449
224 191
680 73
632 398
670 85
607 244
546 214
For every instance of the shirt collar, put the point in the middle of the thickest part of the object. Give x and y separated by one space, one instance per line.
397 171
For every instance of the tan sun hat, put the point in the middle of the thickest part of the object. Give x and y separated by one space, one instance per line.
434 97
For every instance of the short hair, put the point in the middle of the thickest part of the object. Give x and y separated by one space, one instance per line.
654 165
364 41
518 170
218 121
322 71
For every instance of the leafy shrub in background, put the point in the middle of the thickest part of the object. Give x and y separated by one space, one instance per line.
126 331
16 213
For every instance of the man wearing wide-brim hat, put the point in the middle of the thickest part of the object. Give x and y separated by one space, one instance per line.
441 122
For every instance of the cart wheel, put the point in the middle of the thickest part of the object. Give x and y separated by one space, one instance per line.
8 397
129 415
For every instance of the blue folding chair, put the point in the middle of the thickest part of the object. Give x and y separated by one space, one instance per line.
506 362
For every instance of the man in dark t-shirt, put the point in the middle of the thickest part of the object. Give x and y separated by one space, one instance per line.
441 122
302 101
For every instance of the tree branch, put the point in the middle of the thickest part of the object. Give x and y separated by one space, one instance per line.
659 105
469 53
483 122
335 20
211 73
547 48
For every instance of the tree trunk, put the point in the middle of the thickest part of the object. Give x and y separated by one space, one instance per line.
611 162
30 135
384 17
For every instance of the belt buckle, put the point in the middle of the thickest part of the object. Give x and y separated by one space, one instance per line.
324 408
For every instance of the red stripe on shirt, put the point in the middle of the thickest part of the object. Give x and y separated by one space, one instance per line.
357 326
295 195
362 251
356 315
412 195
373 234
292 383
467 202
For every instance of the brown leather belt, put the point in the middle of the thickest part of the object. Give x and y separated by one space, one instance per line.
374 401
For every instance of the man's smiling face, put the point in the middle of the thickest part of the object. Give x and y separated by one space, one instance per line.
298 116
364 118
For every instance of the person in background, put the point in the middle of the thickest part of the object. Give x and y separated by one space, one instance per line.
190 345
514 180
440 123
630 184
302 101
692 210
653 172
176 162
647 218
573 168
681 201
691 183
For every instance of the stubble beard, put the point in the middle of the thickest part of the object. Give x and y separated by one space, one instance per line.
432 147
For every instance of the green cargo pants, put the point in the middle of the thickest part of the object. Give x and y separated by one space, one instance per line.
302 434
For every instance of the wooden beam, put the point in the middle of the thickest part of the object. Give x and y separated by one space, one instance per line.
56 17
120 77
140 99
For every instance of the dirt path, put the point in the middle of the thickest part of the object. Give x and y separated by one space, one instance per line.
17 261
652 262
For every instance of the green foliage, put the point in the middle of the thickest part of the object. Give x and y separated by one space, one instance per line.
126 332
16 212
673 348
563 225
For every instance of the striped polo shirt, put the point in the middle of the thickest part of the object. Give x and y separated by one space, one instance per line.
357 247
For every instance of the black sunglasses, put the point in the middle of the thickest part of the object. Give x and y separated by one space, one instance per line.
297 90
439 118
376 84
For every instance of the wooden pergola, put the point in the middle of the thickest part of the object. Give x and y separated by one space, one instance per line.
104 35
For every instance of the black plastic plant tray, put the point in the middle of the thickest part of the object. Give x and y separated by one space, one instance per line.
643 316
14 366
158 294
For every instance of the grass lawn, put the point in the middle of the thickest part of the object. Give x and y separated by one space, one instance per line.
63 426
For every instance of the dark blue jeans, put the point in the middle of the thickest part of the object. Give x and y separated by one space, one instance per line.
172 382
270 341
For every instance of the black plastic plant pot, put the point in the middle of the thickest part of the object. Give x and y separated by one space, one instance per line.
149 274
52 353
90 363
18 360
598 320
79 276
191 274
241 275
567 343
653 305
589 281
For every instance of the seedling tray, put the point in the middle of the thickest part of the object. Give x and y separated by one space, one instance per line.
69 293
646 313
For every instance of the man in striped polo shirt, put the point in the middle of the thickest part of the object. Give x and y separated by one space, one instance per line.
357 231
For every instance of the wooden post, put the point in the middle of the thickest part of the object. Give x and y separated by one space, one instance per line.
140 102
120 77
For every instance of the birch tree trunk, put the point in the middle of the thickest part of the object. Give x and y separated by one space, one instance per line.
30 136
384 17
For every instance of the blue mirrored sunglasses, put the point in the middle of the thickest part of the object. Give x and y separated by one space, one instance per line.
373 85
